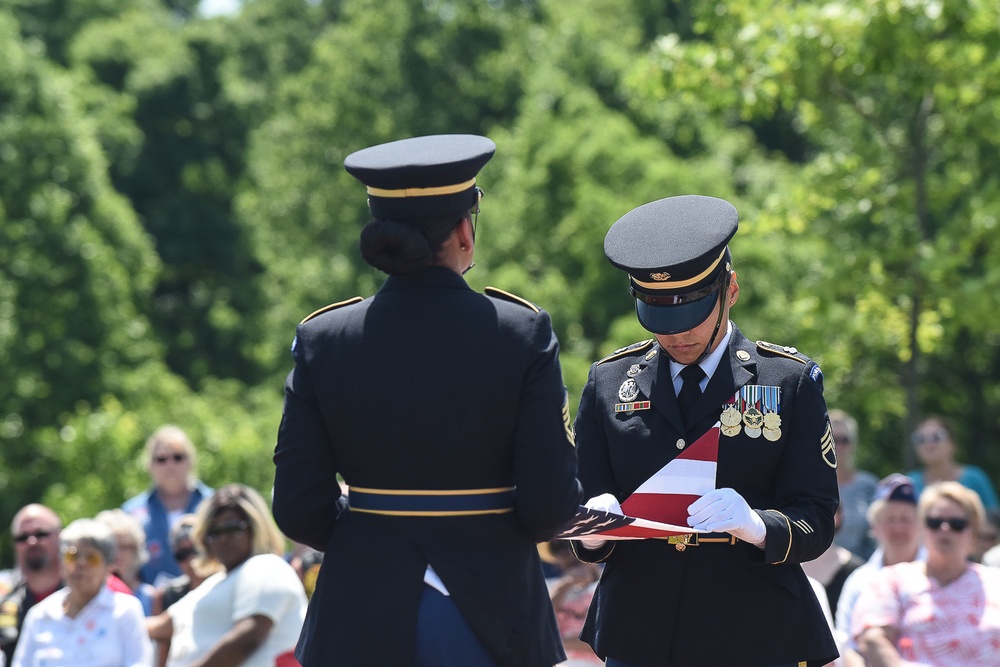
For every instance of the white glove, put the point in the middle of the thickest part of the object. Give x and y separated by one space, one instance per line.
606 502
725 511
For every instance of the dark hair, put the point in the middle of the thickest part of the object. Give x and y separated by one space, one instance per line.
405 246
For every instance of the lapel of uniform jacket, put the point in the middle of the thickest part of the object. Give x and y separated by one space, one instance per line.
655 382
732 373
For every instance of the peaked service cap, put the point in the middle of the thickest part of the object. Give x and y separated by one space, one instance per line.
422 177
675 251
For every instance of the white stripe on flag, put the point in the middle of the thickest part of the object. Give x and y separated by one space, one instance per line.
682 476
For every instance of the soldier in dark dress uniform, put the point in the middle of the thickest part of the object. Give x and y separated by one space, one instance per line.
734 596
444 411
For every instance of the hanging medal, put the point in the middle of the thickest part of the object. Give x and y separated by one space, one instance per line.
753 419
731 419
772 420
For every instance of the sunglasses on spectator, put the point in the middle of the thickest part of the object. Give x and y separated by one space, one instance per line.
184 554
163 458
227 528
939 435
38 535
73 556
956 524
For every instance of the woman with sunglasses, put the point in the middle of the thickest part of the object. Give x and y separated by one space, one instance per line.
940 612
171 461
85 623
934 443
250 613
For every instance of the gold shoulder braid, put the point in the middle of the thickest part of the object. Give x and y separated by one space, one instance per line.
781 350
630 349
332 306
498 293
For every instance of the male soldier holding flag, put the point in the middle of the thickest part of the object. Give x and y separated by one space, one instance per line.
734 596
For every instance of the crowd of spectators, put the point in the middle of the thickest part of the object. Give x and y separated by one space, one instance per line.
914 586
182 574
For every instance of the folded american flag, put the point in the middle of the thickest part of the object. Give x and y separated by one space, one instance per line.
658 508
588 522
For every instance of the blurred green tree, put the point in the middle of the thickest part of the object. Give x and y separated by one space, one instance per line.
895 199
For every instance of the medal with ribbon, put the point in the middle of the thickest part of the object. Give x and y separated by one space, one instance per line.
731 419
753 419
772 420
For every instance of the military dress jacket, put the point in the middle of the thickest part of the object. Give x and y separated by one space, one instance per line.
430 386
724 603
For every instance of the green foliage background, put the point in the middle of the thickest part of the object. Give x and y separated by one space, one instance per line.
173 202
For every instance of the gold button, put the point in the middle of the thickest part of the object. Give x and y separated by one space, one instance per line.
680 443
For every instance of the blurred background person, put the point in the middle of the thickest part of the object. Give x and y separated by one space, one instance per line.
857 488
894 524
131 542
38 574
833 568
934 443
250 613
940 612
988 535
195 570
306 562
171 461
571 591
85 623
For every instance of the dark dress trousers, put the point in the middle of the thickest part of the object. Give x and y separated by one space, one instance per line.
428 385
715 604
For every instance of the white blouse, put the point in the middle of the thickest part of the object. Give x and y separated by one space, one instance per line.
110 631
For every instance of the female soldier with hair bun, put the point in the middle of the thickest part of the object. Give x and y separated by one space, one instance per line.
433 402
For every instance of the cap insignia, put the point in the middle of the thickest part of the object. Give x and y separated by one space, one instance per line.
659 276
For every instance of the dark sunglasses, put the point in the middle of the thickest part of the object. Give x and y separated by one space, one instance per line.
939 435
177 458
955 524
38 535
184 554
228 528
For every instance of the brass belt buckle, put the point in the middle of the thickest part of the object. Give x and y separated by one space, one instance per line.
681 542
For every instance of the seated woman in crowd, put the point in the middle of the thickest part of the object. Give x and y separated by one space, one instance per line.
941 612
85 623
195 571
934 444
132 554
249 614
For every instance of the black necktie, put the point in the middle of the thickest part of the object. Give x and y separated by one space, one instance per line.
690 390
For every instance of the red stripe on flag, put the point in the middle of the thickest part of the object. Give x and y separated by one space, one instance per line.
662 507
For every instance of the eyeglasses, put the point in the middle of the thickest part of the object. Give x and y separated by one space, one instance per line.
38 535
163 458
184 554
939 435
956 524
91 558
228 528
